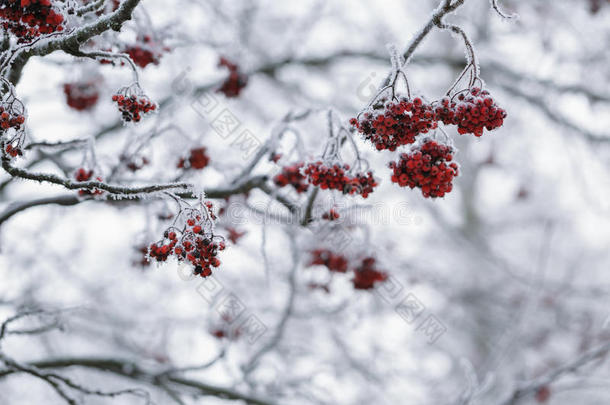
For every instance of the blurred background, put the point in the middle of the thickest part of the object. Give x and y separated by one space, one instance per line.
490 289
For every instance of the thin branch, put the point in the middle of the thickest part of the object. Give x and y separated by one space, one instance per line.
496 7
287 313
129 369
88 185
554 116
69 200
70 42
545 380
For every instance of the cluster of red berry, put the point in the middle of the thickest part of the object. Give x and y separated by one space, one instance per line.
474 111
331 215
82 175
193 243
134 163
198 159
427 168
234 84
81 96
333 261
596 5
145 52
393 124
132 106
10 119
225 330
291 175
366 275
235 235
396 123
336 177
13 151
28 19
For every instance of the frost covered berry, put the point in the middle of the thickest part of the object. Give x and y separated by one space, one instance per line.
198 159
335 262
12 128
194 243
429 168
132 107
366 275
291 175
28 19
392 124
472 112
81 96
13 151
235 82
10 119
82 175
337 177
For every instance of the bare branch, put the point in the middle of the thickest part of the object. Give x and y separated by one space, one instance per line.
550 377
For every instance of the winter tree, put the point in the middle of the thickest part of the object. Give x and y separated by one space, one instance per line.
313 202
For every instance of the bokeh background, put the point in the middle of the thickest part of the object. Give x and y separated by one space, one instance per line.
513 264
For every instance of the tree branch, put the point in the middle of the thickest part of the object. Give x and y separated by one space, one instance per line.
70 42
132 370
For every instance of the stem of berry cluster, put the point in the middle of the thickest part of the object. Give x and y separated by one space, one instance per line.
444 8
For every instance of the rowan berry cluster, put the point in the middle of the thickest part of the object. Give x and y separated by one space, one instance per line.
474 111
10 119
12 132
133 106
194 243
225 330
337 177
28 19
333 261
82 175
81 96
392 124
596 5
367 274
235 235
291 175
13 151
235 82
134 163
198 159
429 168
144 52
331 215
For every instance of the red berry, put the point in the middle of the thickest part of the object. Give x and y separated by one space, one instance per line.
427 169
366 275
392 124
235 82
